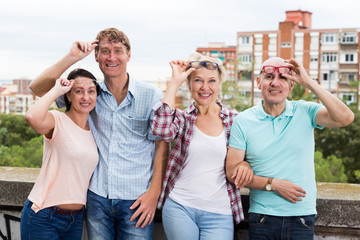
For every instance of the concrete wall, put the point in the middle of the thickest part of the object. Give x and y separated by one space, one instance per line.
338 208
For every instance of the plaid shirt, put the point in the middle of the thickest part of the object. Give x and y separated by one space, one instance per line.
177 124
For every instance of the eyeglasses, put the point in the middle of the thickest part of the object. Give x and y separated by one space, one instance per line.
272 69
208 65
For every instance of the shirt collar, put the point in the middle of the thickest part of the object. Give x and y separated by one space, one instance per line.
261 114
224 110
131 88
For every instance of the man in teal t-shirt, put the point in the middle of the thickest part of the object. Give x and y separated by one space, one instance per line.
276 137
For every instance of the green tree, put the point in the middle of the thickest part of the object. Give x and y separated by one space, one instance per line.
299 92
343 143
5 157
28 155
330 169
231 97
14 130
20 145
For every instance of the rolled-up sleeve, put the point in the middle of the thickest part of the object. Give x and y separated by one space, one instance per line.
166 123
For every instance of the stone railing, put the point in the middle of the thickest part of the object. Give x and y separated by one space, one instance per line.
338 207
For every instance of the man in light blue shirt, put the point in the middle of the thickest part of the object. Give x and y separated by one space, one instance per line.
126 184
277 139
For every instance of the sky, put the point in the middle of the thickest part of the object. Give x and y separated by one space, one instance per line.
34 34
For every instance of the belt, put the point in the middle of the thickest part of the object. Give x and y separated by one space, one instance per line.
61 211
65 211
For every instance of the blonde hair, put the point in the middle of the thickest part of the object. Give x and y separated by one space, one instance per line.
195 56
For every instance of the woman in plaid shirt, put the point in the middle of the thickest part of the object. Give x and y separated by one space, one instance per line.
200 202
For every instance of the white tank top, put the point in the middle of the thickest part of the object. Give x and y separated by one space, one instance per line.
202 181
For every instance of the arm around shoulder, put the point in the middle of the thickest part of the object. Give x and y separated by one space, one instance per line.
46 80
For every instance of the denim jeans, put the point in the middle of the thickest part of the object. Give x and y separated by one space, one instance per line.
263 227
46 224
184 223
110 219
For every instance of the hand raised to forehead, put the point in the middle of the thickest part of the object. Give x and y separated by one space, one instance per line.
300 76
179 72
81 49
63 85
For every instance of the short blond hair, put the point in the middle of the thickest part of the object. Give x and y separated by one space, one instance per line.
113 34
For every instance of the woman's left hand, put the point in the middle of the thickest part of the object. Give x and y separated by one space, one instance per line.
243 174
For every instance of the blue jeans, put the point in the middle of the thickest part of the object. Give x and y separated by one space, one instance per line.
263 227
184 223
109 219
48 225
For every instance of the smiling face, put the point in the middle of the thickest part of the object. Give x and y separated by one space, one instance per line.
112 57
274 87
204 86
82 95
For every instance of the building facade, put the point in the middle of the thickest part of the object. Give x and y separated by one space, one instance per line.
226 53
331 56
16 98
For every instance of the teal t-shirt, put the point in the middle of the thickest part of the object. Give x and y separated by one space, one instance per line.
282 148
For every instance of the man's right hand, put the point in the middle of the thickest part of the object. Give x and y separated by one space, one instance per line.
288 190
81 49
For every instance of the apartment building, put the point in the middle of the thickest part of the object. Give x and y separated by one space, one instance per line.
331 56
225 53
16 98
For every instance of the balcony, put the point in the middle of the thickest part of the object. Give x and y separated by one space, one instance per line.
338 208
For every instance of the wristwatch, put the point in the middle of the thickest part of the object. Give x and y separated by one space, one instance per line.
268 186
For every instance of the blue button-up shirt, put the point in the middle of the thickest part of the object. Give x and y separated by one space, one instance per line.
126 145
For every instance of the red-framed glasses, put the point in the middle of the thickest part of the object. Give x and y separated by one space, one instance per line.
272 69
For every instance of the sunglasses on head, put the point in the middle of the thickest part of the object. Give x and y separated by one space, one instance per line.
208 65
272 69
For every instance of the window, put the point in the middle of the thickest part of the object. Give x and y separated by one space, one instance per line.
349 37
351 77
349 98
329 57
244 58
313 59
325 76
285 45
329 38
346 77
349 57
12 99
245 75
244 40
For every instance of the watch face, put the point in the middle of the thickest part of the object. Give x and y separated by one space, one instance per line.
268 187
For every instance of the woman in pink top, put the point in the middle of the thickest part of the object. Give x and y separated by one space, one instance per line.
55 206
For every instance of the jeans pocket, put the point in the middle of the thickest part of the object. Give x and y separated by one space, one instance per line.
257 219
307 221
43 214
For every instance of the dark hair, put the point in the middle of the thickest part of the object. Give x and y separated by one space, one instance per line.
79 72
